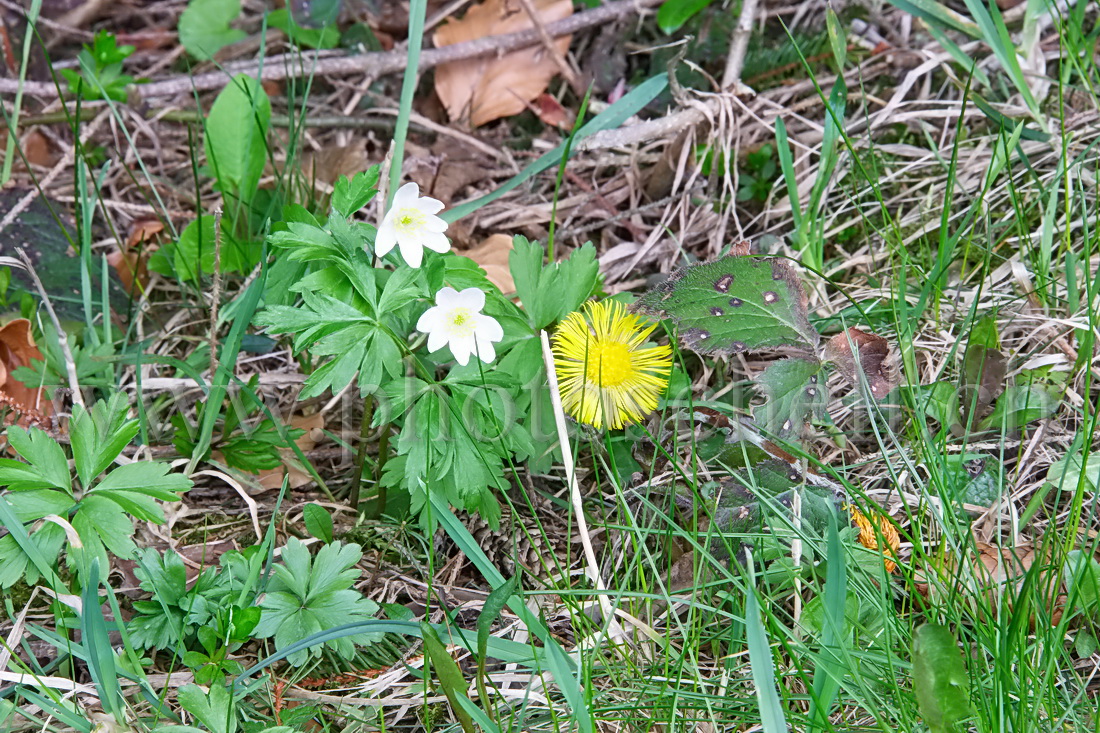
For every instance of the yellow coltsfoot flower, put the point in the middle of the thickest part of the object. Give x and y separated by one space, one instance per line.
606 373
868 537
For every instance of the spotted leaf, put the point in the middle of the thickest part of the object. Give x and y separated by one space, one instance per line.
794 389
734 304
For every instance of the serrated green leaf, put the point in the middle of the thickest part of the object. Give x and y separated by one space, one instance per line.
733 305
213 709
794 390
307 595
349 195
49 468
146 477
551 292
939 678
32 505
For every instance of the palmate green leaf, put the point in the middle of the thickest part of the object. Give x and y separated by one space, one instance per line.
99 435
939 678
308 595
48 466
733 305
213 709
349 195
551 292
794 390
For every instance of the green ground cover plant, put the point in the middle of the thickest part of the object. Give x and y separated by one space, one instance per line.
743 379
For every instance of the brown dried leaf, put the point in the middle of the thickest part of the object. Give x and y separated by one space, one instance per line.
17 348
130 261
872 350
552 113
38 149
299 477
492 255
487 88
328 164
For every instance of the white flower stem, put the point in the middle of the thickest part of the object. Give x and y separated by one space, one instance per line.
575 492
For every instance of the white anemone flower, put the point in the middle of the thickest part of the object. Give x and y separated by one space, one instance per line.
456 320
412 224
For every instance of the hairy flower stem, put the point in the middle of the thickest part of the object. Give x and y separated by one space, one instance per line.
383 453
360 455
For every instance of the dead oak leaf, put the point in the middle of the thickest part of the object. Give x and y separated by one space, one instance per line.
492 256
487 88
17 349
297 476
870 359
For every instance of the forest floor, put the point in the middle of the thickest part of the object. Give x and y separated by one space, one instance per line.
871 507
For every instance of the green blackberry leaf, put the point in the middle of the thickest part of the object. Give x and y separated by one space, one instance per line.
794 390
735 304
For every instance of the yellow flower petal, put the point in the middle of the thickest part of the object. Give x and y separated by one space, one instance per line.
868 536
606 374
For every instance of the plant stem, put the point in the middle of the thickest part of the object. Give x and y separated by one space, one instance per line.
360 455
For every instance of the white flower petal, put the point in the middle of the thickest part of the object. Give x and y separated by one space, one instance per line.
435 241
430 320
405 196
429 205
386 238
462 348
411 251
437 339
489 328
448 298
485 349
434 224
472 298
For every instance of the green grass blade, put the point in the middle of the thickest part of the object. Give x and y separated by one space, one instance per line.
227 361
772 718
934 13
417 10
786 165
13 122
18 532
97 643
826 682
449 675
561 666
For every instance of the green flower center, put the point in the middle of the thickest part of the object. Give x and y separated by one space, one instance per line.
410 220
462 321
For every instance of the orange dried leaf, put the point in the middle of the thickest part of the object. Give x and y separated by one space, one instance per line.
487 88
552 113
17 348
492 255
870 529
298 477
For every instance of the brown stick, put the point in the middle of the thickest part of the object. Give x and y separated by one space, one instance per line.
318 64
